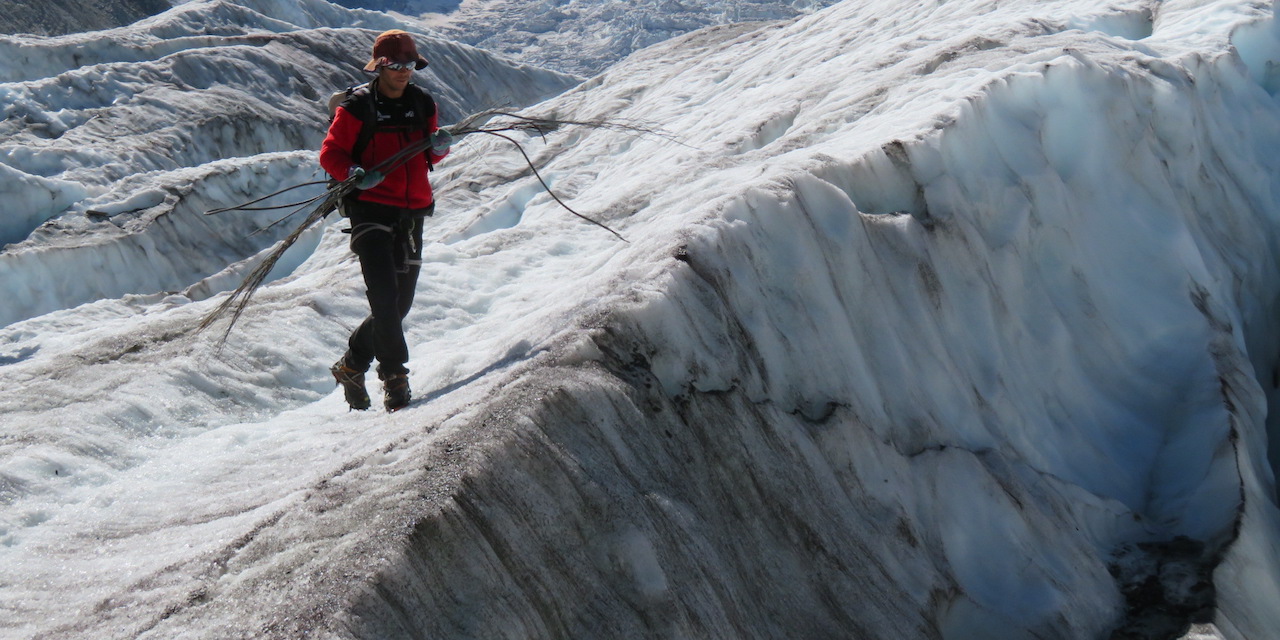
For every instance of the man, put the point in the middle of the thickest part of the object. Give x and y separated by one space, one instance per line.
387 210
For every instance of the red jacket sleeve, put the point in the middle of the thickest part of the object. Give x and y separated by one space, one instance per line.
335 151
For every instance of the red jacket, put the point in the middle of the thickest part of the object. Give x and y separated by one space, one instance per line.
405 186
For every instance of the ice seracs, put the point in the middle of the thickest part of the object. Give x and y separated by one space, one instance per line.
931 315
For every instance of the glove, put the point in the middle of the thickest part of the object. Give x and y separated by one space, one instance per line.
441 140
366 179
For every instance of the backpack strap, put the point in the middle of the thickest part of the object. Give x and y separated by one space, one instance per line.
360 103
424 107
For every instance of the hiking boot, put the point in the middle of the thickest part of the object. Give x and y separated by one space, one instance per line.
395 391
352 382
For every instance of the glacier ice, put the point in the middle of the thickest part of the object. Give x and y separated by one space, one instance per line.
934 318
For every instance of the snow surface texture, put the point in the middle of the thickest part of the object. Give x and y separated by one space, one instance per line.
582 37
936 320
133 125
70 16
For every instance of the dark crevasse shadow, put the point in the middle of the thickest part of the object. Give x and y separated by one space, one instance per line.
14 357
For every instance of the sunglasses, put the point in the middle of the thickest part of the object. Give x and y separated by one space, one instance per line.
399 66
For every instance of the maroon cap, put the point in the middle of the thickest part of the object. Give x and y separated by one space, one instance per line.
394 46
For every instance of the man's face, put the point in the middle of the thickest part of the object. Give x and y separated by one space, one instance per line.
395 80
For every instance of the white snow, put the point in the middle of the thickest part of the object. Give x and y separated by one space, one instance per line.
926 311
583 37
198 121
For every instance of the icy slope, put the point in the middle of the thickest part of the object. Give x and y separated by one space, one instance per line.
69 16
140 127
931 315
585 36
947 336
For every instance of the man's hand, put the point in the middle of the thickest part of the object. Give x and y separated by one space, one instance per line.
366 179
441 140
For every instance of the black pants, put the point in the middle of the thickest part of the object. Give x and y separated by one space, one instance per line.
388 242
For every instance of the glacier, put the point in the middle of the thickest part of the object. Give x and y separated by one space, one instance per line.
932 320
71 16
582 37
142 137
